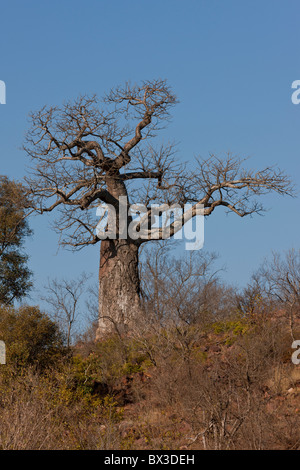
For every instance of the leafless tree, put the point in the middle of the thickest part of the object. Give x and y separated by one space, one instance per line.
181 290
86 153
63 296
252 300
181 298
280 279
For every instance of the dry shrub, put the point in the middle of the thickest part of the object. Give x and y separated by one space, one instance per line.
231 392
40 412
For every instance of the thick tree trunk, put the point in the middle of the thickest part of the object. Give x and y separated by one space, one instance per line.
119 287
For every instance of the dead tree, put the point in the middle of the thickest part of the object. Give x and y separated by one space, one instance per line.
87 153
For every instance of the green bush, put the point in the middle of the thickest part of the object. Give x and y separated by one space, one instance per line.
31 337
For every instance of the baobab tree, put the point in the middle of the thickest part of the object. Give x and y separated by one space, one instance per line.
91 152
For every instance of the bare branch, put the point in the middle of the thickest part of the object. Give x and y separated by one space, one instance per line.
89 152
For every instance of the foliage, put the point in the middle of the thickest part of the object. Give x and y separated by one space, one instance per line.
30 336
14 273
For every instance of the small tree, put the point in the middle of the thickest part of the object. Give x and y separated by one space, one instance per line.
84 155
280 279
14 273
180 291
63 296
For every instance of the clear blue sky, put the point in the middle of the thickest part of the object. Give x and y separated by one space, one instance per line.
231 64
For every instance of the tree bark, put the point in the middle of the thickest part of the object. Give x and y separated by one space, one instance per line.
119 286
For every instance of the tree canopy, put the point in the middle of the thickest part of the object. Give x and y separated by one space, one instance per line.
14 272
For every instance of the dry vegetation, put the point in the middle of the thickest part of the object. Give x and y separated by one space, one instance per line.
205 369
